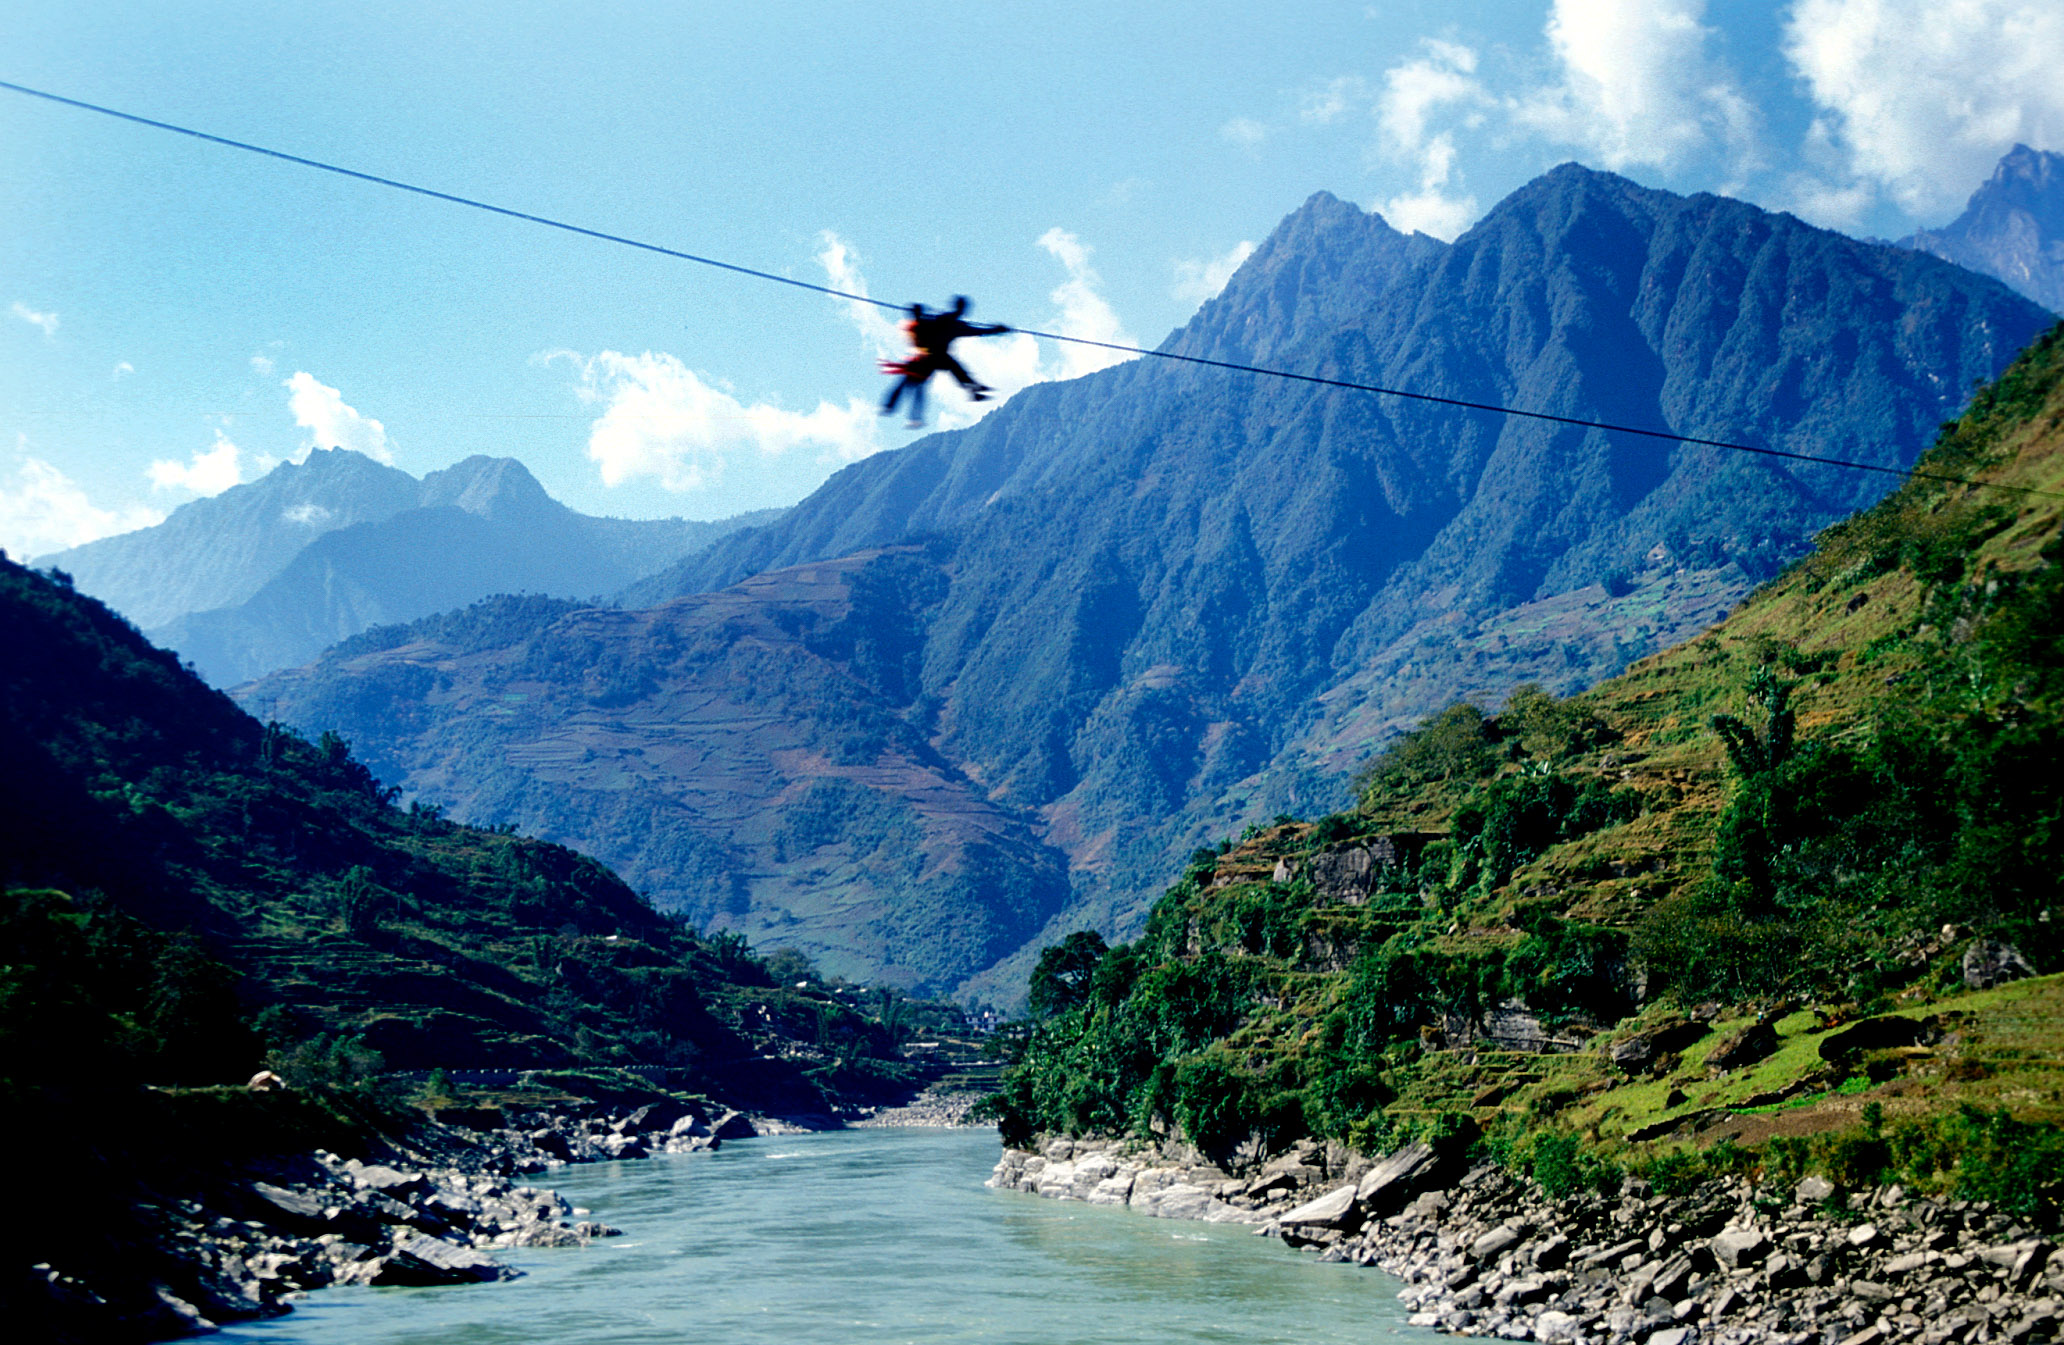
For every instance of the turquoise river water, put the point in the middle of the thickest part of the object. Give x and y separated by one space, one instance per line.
865 1236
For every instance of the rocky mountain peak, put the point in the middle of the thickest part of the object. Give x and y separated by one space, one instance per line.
1327 260
2012 228
490 487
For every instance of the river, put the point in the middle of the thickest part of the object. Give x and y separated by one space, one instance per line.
864 1236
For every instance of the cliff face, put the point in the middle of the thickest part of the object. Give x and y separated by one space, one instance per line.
2013 227
1175 599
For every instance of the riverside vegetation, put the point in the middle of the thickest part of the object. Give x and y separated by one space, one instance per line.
188 897
1744 959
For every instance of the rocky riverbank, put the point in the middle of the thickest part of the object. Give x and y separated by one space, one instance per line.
1484 1252
422 1203
933 1107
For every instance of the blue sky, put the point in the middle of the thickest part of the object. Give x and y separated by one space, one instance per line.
175 317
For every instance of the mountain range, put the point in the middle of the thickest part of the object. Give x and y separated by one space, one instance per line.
1126 615
268 574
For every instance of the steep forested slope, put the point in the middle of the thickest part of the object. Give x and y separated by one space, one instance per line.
1793 875
223 871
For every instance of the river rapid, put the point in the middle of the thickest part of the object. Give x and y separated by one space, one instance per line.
864 1236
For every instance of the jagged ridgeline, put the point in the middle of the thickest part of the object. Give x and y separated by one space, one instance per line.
174 869
1799 867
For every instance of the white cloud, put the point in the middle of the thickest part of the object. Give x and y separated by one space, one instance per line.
1638 87
320 409
1430 211
660 419
1917 99
1197 281
1244 132
311 514
1330 101
42 510
1084 311
1415 90
262 365
1008 363
209 472
47 321
1439 84
122 371
882 333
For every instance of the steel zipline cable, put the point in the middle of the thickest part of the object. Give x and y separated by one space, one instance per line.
1230 365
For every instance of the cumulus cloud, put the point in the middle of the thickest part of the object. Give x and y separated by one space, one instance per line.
42 510
1009 363
122 371
1197 281
662 420
320 409
879 329
1439 85
262 365
46 321
1917 99
209 472
1082 309
1638 86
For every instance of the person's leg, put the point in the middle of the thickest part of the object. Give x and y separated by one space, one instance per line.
917 391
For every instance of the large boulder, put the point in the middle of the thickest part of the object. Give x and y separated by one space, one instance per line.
1335 1209
1500 1239
1989 962
1871 1034
426 1260
1644 1050
1739 1248
734 1126
1755 1042
1391 1182
293 1211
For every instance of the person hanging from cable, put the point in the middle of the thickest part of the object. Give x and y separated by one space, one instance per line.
931 338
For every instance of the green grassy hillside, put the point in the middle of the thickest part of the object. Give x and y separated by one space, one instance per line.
1729 894
190 888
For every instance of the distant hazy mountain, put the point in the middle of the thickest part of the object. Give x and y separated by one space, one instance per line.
2013 227
1162 601
482 526
219 551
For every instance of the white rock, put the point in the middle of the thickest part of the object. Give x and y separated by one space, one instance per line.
1333 1209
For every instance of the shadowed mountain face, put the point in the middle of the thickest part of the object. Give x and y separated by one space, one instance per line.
1170 600
482 526
2012 228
